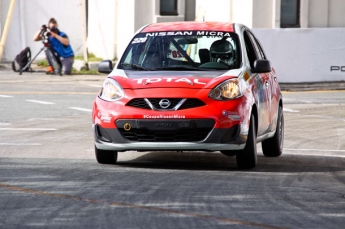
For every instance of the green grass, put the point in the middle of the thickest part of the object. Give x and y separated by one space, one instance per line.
91 57
43 63
85 72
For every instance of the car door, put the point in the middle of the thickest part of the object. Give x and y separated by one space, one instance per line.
261 87
273 90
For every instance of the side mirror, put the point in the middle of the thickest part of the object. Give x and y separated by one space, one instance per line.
105 66
262 66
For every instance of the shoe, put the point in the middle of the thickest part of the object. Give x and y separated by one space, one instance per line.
50 70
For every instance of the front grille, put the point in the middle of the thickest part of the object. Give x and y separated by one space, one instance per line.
162 130
189 103
181 135
139 103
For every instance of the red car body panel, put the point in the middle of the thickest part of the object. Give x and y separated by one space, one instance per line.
189 26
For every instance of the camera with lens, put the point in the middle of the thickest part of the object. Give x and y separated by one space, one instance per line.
46 32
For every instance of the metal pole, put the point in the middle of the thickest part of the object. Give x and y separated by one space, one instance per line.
7 24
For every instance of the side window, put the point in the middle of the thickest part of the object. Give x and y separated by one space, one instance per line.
257 47
251 52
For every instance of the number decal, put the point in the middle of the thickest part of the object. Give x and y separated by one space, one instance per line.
139 40
176 54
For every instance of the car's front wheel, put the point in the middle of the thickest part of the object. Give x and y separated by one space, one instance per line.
247 158
273 147
106 156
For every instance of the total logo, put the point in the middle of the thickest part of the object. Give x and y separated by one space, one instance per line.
168 80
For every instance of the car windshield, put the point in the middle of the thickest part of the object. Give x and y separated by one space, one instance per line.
184 50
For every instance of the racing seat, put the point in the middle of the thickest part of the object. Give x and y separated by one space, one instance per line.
204 55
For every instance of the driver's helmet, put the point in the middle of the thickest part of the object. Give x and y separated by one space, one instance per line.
222 51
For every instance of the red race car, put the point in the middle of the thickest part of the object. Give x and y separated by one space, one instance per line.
196 86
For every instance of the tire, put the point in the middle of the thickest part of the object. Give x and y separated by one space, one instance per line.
247 158
106 156
273 147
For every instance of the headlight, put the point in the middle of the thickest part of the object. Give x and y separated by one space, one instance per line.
111 90
229 89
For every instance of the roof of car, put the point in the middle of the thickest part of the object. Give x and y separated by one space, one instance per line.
189 26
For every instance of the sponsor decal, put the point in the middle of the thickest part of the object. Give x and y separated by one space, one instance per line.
189 33
104 117
163 116
139 40
168 80
338 68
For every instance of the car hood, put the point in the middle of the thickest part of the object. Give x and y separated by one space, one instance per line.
171 79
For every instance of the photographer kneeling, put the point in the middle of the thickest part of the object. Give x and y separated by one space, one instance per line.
59 44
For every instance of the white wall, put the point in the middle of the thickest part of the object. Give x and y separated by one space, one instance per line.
305 55
102 28
217 10
336 13
29 16
125 24
263 14
242 11
318 13
144 13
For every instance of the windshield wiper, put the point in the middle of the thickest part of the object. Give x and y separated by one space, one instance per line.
134 66
179 68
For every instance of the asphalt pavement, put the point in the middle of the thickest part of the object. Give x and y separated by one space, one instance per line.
49 176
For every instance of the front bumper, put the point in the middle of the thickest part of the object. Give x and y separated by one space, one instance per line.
215 140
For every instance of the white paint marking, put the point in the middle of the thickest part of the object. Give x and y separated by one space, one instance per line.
94 85
80 109
29 129
297 100
37 101
4 124
314 152
20 144
290 110
320 150
6 96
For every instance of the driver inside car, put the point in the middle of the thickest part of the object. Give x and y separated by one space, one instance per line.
222 51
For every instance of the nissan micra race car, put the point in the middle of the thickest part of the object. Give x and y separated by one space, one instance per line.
190 86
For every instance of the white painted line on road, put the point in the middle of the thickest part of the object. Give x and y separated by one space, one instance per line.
20 144
297 100
311 152
6 96
4 124
290 110
29 129
37 101
80 109
320 150
94 85
321 116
